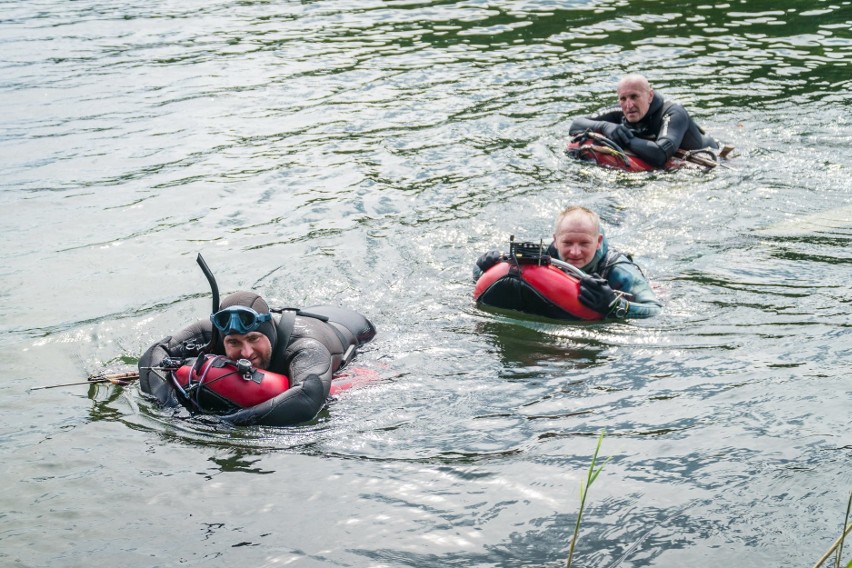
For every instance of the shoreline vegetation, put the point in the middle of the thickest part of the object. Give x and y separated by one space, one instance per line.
837 547
585 485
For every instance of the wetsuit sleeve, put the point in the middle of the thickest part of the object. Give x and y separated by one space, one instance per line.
485 262
600 122
310 374
185 343
310 357
477 272
657 152
642 302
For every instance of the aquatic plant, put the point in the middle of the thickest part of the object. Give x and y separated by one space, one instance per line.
585 485
838 544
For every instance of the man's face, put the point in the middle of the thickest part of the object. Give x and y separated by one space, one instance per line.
253 346
577 239
635 99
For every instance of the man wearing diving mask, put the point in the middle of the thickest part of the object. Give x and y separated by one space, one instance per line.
308 347
246 334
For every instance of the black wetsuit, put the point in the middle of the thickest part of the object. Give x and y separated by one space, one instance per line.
314 351
664 129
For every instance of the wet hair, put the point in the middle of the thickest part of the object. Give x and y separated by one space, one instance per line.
570 210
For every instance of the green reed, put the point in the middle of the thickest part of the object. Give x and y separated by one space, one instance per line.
837 547
585 485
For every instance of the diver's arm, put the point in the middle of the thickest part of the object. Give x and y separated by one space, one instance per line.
185 343
310 374
640 301
601 122
658 151
485 262
293 406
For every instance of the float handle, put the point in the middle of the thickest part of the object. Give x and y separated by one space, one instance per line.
568 267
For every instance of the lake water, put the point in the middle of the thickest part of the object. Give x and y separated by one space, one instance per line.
364 153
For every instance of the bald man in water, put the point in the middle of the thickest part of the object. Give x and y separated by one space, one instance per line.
645 124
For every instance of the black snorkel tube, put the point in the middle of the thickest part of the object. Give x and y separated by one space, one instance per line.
214 288
184 396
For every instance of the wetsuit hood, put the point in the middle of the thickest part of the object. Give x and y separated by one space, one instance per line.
258 304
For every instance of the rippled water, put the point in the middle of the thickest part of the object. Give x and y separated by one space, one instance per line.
364 154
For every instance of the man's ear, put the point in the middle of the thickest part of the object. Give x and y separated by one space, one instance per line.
600 239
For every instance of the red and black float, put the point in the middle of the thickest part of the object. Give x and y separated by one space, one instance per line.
214 384
594 147
532 282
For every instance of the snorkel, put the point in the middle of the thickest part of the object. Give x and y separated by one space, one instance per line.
201 355
214 288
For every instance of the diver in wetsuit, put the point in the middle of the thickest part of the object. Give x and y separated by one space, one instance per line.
615 286
308 347
645 124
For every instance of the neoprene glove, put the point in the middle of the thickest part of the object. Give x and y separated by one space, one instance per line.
622 136
618 133
596 294
488 260
608 129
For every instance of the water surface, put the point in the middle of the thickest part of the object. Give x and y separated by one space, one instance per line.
364 154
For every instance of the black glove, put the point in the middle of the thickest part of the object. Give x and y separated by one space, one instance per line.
489 259
172 363
622 136
618 133
596 294
608 129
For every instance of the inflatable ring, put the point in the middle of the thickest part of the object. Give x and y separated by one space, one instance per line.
218 385
537 289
